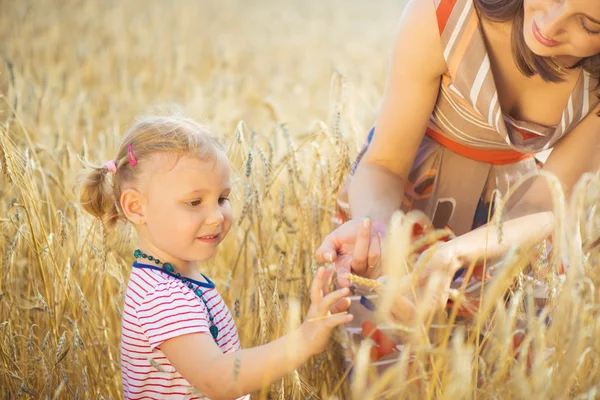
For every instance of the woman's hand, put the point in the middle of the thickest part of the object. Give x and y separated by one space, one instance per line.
354 247
425 291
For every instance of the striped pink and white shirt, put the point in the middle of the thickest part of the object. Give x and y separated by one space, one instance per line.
159 307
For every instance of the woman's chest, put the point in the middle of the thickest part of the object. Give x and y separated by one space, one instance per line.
525 98
530 98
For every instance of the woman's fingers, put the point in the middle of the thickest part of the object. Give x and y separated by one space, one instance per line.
404 310
373 261
327 252
361 247
444 291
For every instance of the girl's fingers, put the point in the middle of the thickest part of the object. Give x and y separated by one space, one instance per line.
361 247
327 279
340 306
337 320
328 301
316 289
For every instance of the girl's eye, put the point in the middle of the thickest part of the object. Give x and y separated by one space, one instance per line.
223 200
194 203
589 31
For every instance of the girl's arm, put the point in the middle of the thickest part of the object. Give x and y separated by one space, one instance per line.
412 88
228 376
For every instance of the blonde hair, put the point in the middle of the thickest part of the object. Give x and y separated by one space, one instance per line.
178 135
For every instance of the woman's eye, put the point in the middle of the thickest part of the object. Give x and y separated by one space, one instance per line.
194 203
588 30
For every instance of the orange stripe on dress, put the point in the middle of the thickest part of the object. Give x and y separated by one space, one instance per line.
524 134
443 13
494 157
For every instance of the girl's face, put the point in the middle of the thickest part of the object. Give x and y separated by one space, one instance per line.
562 27
187 210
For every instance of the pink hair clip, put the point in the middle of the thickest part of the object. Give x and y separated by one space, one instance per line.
131 156
112 167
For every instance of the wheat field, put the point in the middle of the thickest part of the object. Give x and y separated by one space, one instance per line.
293 87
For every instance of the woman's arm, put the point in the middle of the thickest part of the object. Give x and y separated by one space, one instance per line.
484 243
412 88
377 188
574 155
531 219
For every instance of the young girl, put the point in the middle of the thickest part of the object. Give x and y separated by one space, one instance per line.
170 179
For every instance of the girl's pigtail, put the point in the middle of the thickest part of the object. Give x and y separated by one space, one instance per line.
97 194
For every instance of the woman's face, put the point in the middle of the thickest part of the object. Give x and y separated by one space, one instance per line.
562 27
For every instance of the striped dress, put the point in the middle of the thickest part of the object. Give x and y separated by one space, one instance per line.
157 308
471 147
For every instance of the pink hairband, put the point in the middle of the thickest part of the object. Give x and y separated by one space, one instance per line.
131 156
112 166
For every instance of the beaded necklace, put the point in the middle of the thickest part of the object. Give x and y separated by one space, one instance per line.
170 270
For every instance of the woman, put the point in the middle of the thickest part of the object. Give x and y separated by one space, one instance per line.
476 89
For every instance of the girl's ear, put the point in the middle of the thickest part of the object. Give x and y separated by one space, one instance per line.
132 204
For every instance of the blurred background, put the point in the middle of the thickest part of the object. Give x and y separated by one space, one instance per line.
222 59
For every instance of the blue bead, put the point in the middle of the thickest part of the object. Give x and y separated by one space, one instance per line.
168 267
150 258
214 331
137 253
198 292
144 255
368 304
178 275
157 261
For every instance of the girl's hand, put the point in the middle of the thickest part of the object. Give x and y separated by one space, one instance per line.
354 247
320 319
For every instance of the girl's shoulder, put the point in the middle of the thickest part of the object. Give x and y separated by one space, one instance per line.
147 283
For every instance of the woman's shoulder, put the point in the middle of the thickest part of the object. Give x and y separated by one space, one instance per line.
418 40
442 15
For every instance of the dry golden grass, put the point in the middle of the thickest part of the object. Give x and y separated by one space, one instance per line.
73 74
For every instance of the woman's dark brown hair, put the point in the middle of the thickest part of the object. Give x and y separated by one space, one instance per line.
528 62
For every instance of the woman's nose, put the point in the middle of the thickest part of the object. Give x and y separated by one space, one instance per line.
553 21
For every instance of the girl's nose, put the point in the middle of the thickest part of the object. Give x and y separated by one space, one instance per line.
215 217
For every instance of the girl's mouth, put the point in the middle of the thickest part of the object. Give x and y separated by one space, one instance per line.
211 239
